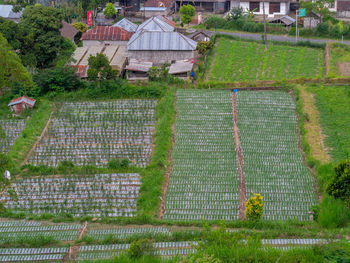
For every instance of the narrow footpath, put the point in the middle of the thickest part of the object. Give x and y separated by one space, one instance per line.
73 250
242 187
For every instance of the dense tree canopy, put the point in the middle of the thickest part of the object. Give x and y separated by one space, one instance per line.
11 31
42 41
11 69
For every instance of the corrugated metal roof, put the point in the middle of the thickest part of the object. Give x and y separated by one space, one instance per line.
23 99
126 25
155 24
155 9
78 54
156 40
181 66
6 12
107 33
287 20
136 65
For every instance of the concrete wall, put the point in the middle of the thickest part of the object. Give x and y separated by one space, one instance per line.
159 57
343 14
311 22
87 43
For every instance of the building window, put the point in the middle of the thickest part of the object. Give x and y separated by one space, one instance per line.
254 6
275 8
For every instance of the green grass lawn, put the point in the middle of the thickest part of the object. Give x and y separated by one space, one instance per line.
247 61
333 104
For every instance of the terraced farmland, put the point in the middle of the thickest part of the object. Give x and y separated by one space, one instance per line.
248 61
18 230
96 132
204 180
98 195
9 132
272 161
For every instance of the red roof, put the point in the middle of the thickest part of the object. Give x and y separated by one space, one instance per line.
158 3
23 99
112 33
81 70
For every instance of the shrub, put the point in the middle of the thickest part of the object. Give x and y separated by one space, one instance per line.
204 46
333 213
110 11
187 13
339 186
139 248
254 207
118 163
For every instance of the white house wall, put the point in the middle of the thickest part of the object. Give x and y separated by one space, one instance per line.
284 8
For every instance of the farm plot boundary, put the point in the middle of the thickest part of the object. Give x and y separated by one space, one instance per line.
263 67
274 204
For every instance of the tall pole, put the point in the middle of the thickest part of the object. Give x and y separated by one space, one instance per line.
296 26
265 37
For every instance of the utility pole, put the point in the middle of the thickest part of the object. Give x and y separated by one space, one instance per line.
265 36
296 26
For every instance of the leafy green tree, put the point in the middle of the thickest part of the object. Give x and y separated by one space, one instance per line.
187 13
110 11
339 186
99 69
42 42
11 69
11 31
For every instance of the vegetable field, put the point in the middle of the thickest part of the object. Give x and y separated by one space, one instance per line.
272 161
98 195
96 132
9 132
204 180
248 61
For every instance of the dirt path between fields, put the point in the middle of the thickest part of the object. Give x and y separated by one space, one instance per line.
169 170
38 140
242 187
314 134
72 253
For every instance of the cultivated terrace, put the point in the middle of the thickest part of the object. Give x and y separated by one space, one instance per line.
133 134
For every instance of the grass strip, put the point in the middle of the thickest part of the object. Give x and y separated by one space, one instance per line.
31 132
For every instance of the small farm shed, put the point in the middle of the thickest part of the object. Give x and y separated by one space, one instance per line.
200 35
181 69
106 35
126 25
287 21
21 103
159 47
137 70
